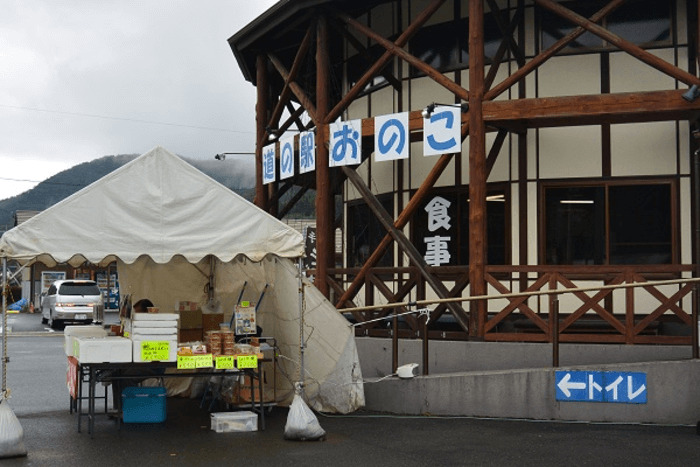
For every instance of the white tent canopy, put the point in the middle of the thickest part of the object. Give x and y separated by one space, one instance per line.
156 205
169 226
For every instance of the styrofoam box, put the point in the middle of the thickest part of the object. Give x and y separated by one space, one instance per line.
154 316
136 331
136 342
113 349
225 422
155 324
71 332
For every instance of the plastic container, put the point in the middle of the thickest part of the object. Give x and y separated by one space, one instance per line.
226 422
143 404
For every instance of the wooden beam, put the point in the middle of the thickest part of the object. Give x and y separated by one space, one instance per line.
393 49
325 241
401 41
545 55
592 109
477 170
409 248
261 119
296 66
632 49
296 89
495 150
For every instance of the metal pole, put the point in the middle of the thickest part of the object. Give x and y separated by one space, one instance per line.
395 343
555 332
425 344
696 246
4 329
301 330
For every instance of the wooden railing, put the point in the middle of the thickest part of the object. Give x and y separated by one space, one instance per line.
621 304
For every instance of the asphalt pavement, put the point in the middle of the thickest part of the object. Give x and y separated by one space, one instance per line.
36 376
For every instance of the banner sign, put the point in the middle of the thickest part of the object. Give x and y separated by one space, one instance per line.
391 138
269 154
287 158
345 144
307 152
442 131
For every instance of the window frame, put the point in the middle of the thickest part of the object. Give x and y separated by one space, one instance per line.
673 184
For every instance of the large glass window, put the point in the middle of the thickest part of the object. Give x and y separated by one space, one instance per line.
642 22
608 224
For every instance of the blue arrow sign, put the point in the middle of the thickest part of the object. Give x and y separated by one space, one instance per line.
601 386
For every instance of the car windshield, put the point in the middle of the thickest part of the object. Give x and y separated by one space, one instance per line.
79 289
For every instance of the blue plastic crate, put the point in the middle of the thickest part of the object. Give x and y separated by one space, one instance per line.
143 404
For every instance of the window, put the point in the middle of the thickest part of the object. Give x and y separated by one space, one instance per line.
365 232
608 224
642 22
445 46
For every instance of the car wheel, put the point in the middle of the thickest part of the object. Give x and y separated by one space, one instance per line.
54 323
44 321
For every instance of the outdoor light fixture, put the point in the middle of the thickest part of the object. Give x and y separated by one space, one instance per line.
691 94
430 108
222 156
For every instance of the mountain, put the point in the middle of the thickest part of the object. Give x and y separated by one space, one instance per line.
236 176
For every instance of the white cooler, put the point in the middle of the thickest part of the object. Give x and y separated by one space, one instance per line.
71 332
109 349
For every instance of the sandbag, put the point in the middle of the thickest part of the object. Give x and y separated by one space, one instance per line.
302 424
11 433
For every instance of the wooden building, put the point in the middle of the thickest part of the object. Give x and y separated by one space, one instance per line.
575 168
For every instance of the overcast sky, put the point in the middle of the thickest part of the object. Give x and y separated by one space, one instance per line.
82 79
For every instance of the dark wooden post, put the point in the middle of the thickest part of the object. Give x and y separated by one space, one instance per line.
324 198
477 169
261 116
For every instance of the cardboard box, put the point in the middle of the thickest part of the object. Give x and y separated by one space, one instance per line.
212 321
190 319
143 404
189 335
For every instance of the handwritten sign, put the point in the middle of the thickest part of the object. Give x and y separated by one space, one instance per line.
225 362
155 351
204 361
247 361
185 362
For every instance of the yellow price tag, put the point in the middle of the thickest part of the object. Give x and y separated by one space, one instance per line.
185 362
247 361
225 362
155 351
204 361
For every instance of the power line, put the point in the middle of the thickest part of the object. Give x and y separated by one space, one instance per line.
40 181
125 119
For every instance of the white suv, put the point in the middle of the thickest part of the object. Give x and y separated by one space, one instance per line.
70 301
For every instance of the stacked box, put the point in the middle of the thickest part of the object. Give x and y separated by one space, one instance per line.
212 321
213 341
160 327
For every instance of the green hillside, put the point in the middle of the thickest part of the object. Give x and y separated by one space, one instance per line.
237 177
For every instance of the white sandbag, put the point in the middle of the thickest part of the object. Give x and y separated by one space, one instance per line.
302 424
11 433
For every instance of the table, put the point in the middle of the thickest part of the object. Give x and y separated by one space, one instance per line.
94 373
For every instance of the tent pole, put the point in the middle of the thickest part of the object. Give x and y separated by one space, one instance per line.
4 328
301 330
